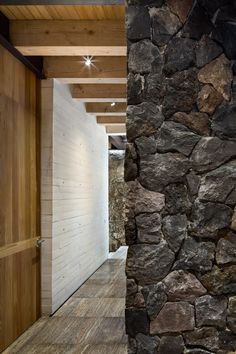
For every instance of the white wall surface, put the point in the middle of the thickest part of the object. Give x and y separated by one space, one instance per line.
74 195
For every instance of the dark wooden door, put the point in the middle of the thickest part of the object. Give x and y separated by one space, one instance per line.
19 201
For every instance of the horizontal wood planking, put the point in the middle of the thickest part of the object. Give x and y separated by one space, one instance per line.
66 12
46 192
105 70
99 93
63 4
106 108
111 120
63 38
77 201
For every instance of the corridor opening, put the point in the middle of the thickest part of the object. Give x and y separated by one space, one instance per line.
63 108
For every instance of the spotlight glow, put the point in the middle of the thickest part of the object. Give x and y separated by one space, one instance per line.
88 61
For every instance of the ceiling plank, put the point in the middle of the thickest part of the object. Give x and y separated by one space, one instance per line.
99 93
69 37
72 70
103 109
62 2
66 12
116 130
111 120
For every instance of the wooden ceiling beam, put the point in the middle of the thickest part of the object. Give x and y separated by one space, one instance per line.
116 130
106 108
69 37
112 120
62 2
99 93
72 70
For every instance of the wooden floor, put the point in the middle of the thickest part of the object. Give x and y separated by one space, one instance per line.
90 322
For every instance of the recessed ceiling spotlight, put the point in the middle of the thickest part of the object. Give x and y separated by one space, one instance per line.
88 61
113 104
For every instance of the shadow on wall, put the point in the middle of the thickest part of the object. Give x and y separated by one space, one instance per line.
117 193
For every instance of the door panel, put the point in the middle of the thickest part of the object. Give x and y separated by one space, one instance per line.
19 208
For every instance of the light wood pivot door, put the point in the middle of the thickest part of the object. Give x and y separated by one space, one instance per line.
19 222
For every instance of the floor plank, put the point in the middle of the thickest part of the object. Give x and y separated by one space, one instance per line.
90 322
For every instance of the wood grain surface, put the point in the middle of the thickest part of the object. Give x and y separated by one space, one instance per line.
19 221
90 322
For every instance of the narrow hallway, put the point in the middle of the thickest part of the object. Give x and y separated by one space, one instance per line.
90 322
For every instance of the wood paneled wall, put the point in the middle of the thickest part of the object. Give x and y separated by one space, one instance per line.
19 208
74 195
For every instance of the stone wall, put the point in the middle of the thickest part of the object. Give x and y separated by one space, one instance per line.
117 193
181 172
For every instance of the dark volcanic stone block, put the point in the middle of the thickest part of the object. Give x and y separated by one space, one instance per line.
217 185
219 74
144 57
206 337
226 249
196 256
212 6
181 92
146 145
149 228
143 119
228 342
147 345
164 25
138 23
134 89
193 182
154 88
158 260
159 170
208 218
224 122
206 51
171 345
131 168
175 230
180 8
220 280
174 136
198 23
211 311
130 229
141 200
183 286
209 99
225 33
174 317
136 321
211 152
196 121
179 55
177 200
155 298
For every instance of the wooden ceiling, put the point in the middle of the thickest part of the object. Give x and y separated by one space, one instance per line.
64 12
63 35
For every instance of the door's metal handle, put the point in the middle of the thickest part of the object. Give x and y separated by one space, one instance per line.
39 242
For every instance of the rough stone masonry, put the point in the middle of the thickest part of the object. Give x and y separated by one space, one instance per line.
117 193
181 171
